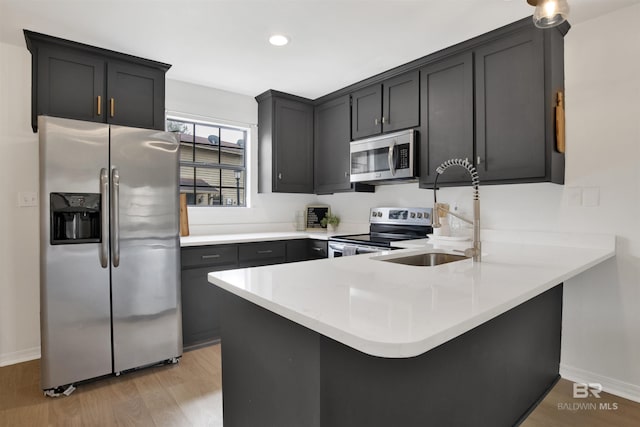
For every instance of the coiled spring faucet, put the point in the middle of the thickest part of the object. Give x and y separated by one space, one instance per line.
476 251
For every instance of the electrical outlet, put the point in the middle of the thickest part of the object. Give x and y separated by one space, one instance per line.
27 199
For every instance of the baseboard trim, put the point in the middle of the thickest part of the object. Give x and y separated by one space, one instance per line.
610 385
19 356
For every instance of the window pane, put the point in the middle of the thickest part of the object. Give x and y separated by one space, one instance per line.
232 155
207 186
207 144
211 145
186 152
230 196
187 183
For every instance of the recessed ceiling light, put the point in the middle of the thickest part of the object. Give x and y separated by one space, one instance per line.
278 40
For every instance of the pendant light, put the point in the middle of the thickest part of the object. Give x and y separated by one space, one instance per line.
549 13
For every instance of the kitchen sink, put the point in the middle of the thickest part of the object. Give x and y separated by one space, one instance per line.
428 259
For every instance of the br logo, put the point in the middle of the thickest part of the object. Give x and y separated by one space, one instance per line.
582 390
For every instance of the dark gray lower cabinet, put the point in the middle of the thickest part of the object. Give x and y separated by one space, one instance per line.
200 308
297 250
317 249
201 300
261 253
276 372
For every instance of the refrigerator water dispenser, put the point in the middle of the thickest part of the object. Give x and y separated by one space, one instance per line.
75 218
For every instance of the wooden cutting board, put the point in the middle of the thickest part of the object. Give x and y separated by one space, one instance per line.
184 216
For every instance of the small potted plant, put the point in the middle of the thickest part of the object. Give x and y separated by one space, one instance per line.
330 221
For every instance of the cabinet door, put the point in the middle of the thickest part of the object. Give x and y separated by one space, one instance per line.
401 102
297 250
331 146
135 95
366 112
69 84
200 307
446 106
293 147
510 121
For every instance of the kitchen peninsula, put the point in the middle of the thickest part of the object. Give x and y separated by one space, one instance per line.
360 341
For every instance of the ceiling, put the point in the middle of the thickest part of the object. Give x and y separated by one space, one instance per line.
223 43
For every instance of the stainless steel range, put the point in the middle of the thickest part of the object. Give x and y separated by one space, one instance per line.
386 226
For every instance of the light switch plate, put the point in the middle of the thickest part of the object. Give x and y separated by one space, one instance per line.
27 198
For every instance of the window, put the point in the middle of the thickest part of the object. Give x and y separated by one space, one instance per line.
212 162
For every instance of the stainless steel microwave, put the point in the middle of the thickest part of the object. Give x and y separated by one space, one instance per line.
384 159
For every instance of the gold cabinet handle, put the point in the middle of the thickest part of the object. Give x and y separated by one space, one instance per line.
560 124
99 109
112 107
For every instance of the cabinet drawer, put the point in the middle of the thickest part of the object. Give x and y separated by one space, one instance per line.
263 253
297 250
210 255
318 249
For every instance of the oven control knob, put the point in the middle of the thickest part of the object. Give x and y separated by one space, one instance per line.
426 215
373 214
419 214
413 214
379 214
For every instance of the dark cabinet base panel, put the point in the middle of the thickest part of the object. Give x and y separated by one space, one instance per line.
278 373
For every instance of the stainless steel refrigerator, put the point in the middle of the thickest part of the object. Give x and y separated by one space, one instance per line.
109 250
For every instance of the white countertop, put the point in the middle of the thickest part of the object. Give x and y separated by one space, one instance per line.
218 239
394 310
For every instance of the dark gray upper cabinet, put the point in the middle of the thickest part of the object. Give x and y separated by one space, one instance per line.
135 95
77 81
510 108
285 143
510 91
490 99
400 102
386 107
331 146
70 84
366 112
446 106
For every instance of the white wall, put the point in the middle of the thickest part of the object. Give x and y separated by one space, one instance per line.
19 263
601 339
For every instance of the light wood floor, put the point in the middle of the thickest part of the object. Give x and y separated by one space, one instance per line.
190 394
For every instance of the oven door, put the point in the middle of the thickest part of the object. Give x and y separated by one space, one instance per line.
340 249
384 158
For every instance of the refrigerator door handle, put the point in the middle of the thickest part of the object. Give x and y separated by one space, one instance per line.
115 217
104 217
